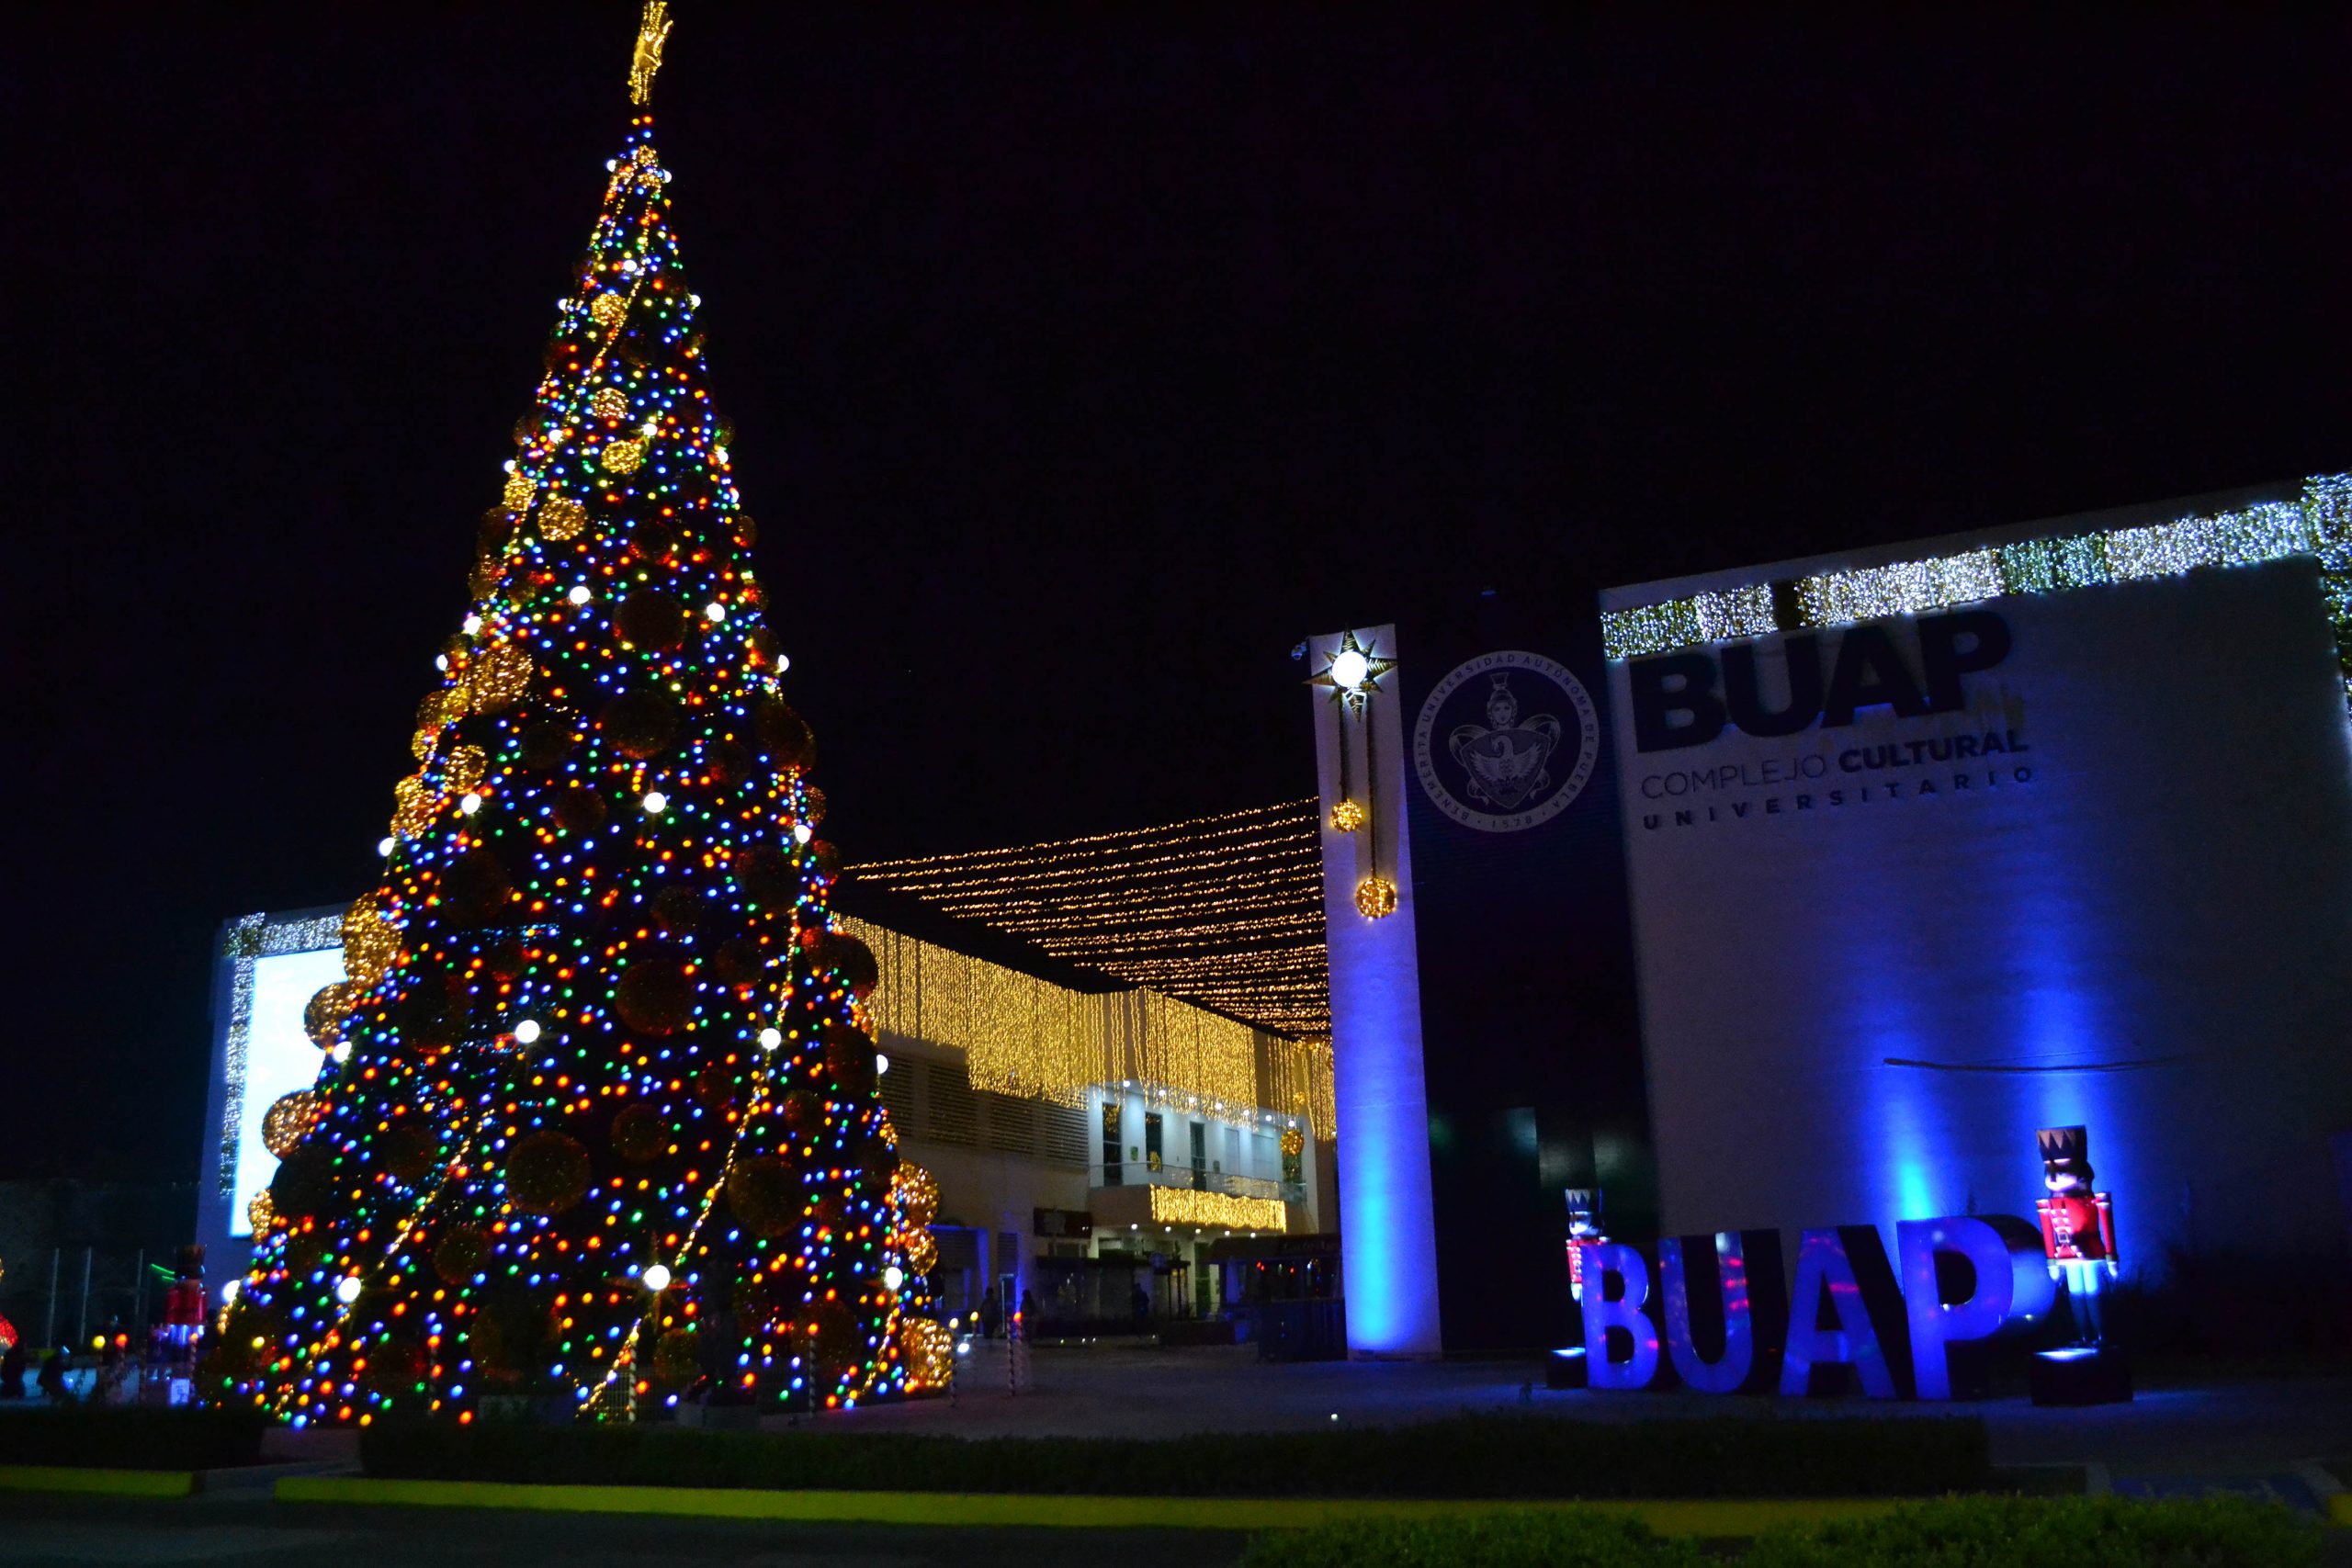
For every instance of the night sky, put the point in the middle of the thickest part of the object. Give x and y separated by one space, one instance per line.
1082 362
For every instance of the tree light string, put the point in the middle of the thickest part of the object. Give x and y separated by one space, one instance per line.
1225 911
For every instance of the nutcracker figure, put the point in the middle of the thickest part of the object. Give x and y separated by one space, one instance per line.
179 1336
1584 1232
2077 1225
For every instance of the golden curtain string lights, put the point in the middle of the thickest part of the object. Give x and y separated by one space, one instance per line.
2318 523
1191 1206
1225 911
1025 1036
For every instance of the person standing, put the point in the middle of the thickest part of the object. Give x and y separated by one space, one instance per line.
12 1370
992 1313
53 1376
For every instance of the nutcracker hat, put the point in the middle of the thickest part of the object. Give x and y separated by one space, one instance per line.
2063 1143
1583 1200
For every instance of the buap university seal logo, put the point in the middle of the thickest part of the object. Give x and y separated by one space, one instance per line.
1506 740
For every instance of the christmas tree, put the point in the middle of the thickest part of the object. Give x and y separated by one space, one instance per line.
597 1120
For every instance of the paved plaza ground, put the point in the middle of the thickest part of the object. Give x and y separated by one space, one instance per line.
2184 1422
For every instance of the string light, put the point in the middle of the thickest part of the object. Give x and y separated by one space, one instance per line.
540 1078
1196 1206
1223 910
2318 524
1028 1037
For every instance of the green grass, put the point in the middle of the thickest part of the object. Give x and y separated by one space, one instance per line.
1968 1532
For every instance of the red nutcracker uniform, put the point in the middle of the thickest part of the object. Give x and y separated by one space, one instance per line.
1584 1232
2077 1225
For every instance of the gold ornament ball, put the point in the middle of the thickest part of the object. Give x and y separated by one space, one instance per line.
624 456
928 1349
421 744
497 681
371 943
259 1212
917 1191
1293 1141
560 517
412 803
283 1126
609 310
466 768
518 494
610 402
323 1018
1346 816
922 1252
1375 896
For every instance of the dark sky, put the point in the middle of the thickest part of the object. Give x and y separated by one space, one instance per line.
1083 359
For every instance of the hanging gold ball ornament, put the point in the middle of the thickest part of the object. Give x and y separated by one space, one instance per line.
1346 816
560 517
928 1352
413 803
610 402
287 1120
466 768
497 681
609 309
371 943
421 744
917 1191
259 1212
624 456
517 493
1293 1141
922 1252
322 1016
1375 896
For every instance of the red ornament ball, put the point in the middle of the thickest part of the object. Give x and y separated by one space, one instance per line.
640 724
547 1172
654 995
784 735
459 1255
652 619
766 1194
640 1134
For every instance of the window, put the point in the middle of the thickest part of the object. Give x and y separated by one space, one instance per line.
1115 1169
1151 1140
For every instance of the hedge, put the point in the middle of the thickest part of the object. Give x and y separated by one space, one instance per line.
1470 1456
132 1439
2079 1532
1505 1538
1970 1532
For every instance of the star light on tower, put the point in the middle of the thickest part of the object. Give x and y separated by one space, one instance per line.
1353 678
1354 672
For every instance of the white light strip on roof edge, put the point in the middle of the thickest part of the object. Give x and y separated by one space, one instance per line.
2319 524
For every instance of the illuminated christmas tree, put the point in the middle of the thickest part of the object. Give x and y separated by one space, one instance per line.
597 1120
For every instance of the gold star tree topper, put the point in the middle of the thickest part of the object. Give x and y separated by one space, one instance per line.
1354 671
650 34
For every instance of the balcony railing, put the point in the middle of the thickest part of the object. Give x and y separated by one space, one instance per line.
1143 1173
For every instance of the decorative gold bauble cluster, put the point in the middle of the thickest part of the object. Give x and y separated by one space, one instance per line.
560 517
1375 896
1346 816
